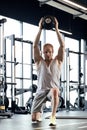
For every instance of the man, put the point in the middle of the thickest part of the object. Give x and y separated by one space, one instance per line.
48 69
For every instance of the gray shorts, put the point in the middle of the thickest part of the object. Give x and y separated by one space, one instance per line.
39 99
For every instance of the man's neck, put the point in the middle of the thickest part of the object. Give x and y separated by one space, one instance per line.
48 61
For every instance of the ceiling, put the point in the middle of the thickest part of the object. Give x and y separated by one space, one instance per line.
70 18
67 7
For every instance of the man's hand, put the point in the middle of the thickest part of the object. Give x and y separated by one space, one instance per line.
40 23
56 23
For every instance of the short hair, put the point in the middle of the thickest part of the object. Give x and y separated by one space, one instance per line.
48 44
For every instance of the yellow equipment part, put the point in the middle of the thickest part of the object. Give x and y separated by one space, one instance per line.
2 107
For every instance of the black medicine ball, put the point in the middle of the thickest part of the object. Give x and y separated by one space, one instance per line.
48 22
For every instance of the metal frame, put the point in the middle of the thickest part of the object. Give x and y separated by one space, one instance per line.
13 69
68 104
3 69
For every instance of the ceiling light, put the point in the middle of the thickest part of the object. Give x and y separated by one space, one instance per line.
74 4
63 31
66 32
44 0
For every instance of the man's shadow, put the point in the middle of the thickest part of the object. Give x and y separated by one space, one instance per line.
39 126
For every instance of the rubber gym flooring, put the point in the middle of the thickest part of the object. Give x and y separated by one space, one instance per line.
66 120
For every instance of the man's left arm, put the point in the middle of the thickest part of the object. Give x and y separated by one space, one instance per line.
61 50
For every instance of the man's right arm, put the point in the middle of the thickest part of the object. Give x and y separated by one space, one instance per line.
37 55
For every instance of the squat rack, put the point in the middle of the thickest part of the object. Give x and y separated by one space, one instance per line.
16 91
67 98
2 71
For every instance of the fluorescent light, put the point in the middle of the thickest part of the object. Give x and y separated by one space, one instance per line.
74 4
63 31
44 0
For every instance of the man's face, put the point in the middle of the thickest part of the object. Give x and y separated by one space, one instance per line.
48 53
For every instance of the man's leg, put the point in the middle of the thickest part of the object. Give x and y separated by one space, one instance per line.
55 103
36 116
36 109
33 116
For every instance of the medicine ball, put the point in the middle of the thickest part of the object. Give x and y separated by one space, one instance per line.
48 22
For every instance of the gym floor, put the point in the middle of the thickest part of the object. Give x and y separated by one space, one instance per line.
66 120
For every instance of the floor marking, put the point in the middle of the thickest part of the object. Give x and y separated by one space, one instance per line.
73 124
48 127
82 127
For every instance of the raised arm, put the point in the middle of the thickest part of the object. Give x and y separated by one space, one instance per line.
61 50
37 55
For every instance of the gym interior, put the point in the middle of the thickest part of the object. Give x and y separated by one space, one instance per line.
18 75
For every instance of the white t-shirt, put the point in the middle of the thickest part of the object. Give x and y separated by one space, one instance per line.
48 76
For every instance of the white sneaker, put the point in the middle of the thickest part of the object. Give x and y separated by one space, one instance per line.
52 121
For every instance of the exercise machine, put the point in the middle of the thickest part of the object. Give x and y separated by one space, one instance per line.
15 89
4 102
80 85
